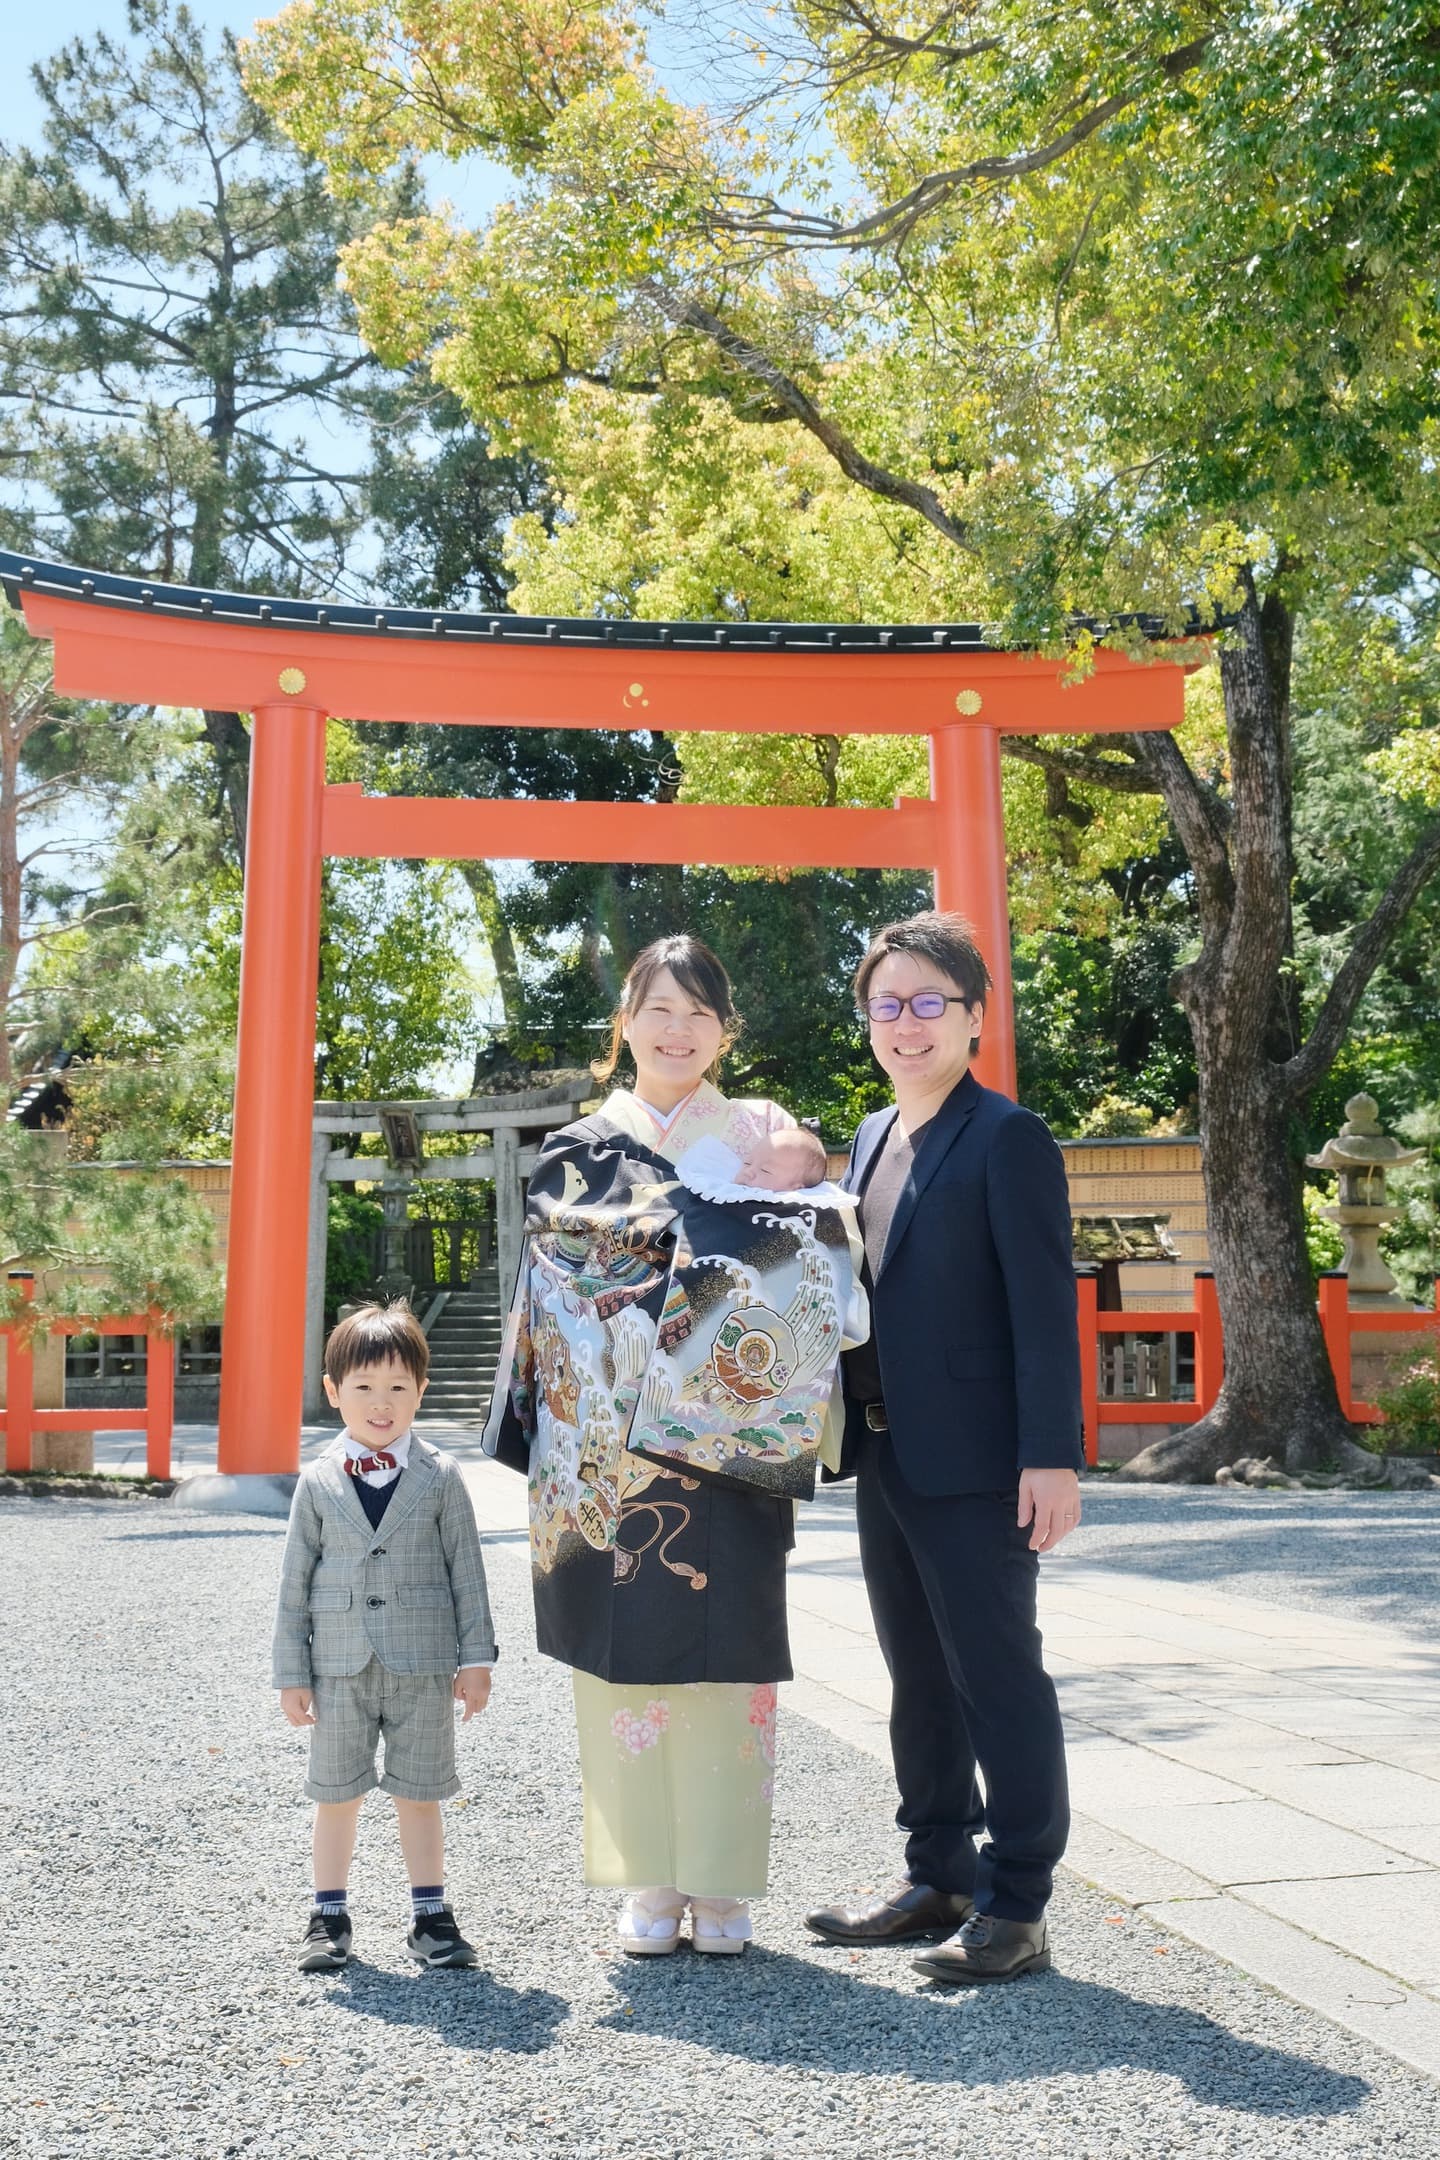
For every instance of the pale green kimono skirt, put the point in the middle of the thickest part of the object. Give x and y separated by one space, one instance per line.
678 1781
678 1775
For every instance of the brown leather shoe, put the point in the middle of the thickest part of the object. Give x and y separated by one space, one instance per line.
987 1949
911 1912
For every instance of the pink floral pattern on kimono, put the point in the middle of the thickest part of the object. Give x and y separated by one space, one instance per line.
639 1733
764 1702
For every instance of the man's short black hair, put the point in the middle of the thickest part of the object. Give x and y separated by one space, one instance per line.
946 940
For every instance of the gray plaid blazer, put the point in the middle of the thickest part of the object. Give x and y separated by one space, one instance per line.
411 1593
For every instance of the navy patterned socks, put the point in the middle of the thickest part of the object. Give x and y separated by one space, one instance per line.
426 1898
331 1901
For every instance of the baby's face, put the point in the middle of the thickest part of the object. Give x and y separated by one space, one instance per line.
784 1161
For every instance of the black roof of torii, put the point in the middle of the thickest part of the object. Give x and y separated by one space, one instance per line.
33 573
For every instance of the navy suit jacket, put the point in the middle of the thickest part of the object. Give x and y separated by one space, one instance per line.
973 1305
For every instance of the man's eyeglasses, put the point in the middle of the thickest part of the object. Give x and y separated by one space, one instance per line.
925 1005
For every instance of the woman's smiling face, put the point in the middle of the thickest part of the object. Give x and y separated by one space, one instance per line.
673 1040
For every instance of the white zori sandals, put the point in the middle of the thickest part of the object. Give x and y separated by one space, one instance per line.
649 1924
719 1926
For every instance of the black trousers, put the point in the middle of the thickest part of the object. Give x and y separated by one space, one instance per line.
952 1588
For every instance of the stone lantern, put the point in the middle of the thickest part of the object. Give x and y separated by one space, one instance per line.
1362 1154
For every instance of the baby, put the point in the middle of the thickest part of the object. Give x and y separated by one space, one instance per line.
784 1161
789 1162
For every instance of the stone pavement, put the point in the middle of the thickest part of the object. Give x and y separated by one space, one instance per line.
1260 1776
1260 1779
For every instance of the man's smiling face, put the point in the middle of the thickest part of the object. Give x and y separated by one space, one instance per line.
922 1056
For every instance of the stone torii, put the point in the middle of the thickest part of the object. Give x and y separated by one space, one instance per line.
292 663
515 1121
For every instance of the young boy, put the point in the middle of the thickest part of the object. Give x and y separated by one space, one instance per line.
383 1616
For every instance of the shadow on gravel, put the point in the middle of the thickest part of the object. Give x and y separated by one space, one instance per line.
787 2011
469 2010
157 1537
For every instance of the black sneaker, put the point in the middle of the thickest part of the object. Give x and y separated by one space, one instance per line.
436 1940
327 1942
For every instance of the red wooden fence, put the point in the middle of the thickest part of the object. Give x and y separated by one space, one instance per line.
1202 1321
20 1420
1337 1320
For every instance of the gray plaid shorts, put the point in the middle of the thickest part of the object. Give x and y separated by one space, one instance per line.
414 1711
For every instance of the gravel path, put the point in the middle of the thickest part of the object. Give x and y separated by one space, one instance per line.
1374 1555
156 1840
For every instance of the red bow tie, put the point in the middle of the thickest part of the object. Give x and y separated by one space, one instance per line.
357 1465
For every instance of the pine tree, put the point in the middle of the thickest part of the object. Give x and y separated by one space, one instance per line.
185 393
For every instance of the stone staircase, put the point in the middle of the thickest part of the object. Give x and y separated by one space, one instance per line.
464 1349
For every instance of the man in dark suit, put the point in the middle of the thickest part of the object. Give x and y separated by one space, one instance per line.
963 1430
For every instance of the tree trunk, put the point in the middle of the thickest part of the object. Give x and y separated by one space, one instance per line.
10 886
224 731
481 881
228 738
1278 1397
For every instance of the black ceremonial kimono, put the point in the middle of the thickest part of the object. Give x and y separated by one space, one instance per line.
666 1382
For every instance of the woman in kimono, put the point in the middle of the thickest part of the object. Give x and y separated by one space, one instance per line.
665 1592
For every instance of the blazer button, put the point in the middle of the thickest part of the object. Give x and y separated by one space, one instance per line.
374 1600
377 1552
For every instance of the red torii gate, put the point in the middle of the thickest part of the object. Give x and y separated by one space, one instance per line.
291 664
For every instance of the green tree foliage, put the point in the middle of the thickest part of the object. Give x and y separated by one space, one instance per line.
350 1263
395 1001
1410 1406
65 767
1412 1244
1100 1045
120 1244
1102 310
441 501
1367 700
144 1069
72 924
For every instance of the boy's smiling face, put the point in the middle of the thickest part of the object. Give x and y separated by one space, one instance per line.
377 1402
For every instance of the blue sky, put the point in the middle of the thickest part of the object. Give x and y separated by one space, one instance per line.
31 34
28 35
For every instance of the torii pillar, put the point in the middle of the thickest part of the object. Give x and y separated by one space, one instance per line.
265 1272
291 663
971 875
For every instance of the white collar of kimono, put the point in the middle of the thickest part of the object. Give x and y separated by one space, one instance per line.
348 1449
663 1118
